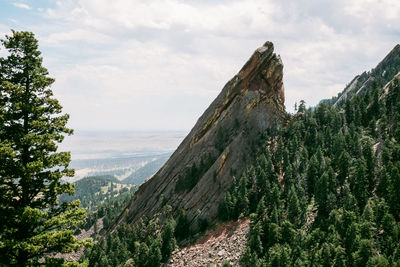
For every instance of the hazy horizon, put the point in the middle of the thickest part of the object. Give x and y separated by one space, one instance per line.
118 153
118 144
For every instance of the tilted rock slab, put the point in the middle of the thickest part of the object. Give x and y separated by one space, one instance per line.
226 134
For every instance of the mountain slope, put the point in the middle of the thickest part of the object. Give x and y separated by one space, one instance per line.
219 146
140 175
378 77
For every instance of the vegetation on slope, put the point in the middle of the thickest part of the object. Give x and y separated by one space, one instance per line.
94 190
147 243
103 197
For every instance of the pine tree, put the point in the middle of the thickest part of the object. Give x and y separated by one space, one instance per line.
33 225
365 251
324 197
155 253
394 191
312 174
168 240
359 183
250 259
344 165
182 229
142 257
293 207
255 238
302 106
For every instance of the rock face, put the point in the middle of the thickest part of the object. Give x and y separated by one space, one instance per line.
218 147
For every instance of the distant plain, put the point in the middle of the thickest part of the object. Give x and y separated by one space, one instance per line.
118 153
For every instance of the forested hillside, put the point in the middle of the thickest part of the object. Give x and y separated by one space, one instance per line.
103 197
326 187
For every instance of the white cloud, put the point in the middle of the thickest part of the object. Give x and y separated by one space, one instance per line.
21 5
165 14
159 63
372 10
79 34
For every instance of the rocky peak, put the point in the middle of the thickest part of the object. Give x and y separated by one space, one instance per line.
218 147
264 72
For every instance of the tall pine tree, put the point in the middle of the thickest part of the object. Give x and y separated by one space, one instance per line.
33 225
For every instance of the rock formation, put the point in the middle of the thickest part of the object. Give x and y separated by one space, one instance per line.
218 147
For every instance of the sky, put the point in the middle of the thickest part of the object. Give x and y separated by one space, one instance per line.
128 65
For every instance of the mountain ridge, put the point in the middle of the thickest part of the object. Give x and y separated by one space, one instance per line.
382 74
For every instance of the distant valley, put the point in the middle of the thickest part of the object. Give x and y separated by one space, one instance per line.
130 157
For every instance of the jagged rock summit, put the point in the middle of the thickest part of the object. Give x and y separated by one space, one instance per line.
218 147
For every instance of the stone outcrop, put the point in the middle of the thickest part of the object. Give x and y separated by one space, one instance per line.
226 243
220 145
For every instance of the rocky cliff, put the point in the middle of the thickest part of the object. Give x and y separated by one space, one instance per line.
219 146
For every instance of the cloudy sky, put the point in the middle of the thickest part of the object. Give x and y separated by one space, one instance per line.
158 64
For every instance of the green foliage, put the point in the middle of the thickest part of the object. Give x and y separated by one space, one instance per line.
168 239
193 174
182 229
92 191
146 243
103 197
33 225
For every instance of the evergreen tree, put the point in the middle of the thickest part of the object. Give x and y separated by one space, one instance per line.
142 257
182 229
394 191
293 207
312 174
155 253
250 259
33 225
302 106
359 183
168 240
344 163
365 251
